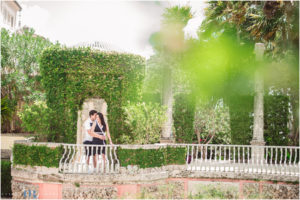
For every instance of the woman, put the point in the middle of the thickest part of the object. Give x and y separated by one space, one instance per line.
101 128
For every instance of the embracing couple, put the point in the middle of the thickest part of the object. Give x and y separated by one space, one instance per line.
96 132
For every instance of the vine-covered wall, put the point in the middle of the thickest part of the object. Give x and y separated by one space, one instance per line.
71 75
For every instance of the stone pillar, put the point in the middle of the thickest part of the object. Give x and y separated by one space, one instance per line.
257 153
89 104
167 136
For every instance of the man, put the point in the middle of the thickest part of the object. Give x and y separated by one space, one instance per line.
88 136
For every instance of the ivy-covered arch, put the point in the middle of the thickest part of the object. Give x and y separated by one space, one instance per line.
71 75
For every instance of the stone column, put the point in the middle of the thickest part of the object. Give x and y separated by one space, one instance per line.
257 153
167 136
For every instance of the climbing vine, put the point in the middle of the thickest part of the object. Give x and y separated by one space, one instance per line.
71 75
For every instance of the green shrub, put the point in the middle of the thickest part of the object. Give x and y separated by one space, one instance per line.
215 191
37 155
143 158
147 158
71 75
175 155
184 112
45 156
145 120
5 179
212 122
36 118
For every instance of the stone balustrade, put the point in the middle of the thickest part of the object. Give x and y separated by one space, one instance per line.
275 175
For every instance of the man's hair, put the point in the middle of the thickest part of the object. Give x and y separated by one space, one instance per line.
92 112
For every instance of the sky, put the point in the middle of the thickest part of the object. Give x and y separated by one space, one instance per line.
124 24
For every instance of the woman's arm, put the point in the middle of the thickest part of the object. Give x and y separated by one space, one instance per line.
93 134
108 134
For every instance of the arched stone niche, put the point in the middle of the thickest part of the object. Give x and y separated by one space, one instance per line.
89 104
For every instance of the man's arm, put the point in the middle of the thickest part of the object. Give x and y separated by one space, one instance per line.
92 133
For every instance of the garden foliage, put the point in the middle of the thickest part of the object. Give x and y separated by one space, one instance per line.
145 121
20 79
212 123
35 118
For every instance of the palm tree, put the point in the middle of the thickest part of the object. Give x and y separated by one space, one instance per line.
168 44
273 23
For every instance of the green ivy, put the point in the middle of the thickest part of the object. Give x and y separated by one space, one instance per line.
71 75
37 155
147 158
5 179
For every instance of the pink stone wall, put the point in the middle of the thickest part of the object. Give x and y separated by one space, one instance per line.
182 188
50 191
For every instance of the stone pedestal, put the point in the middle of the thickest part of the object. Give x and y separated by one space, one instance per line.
167 140
89 104
257 151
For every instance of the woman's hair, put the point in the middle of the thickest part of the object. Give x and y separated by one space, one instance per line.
102 121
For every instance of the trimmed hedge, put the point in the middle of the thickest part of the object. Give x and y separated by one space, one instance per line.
275 119
175 155
37 155
5 179
241 119
45 156
146 158
71 75
184 113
